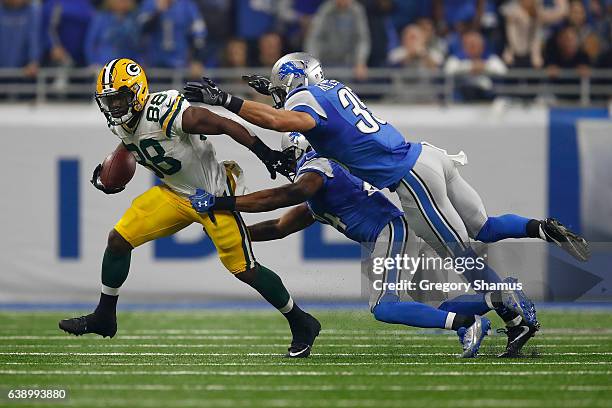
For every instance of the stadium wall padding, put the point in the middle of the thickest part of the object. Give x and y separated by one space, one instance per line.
55 224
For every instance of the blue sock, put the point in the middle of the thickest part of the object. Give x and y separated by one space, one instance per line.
466 304
502 227
411 314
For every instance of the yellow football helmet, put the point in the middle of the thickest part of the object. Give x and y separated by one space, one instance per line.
121 90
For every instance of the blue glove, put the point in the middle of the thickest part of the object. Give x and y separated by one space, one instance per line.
203 202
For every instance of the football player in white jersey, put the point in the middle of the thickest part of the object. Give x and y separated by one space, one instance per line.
165 134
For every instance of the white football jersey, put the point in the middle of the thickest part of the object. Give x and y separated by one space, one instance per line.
181 160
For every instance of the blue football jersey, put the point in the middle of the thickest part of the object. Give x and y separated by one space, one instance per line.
349 133
350 205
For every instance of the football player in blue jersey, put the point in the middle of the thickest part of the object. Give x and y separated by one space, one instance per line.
324 191
442 208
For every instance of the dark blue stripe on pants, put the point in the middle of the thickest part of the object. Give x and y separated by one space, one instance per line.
428 209
397 247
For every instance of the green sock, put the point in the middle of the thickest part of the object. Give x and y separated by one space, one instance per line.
270 286
115 270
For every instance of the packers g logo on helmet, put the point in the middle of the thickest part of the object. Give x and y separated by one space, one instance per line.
133 69
121 90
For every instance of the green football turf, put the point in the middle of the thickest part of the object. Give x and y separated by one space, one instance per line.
233 359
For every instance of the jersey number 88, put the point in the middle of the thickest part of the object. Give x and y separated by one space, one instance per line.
156 160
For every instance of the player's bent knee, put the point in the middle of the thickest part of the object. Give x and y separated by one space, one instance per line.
117 244
248 275
383 312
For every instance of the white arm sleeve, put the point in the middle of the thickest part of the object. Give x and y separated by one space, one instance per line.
303 97
319 165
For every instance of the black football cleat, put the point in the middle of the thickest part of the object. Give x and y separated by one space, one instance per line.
304 337
518 336
91 323
572 243
298 350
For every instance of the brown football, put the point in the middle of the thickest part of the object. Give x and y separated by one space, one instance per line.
118 168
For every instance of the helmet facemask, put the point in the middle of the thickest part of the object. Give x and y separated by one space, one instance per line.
294 146
293 156
117 105
279 95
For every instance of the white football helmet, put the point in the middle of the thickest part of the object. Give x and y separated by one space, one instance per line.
292 71
294 145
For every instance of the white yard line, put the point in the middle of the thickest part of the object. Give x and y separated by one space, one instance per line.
337 403
319 344
148 354
330 403
323 388
303 373
310 363
285 333
254 331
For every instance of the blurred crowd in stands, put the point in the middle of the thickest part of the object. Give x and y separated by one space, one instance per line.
469 37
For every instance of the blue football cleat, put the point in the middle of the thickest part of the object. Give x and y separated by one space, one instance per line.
472 337
517 301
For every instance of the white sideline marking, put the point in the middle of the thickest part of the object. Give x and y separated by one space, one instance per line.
420 332
285 333
303 373
310 363
223 337
340 403
317 387
319 344
444 335
36 353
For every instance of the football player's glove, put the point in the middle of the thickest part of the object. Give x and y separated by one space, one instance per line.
97 183
202 201
259 83
206 92
274 160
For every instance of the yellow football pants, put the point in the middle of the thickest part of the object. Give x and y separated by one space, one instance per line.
160 212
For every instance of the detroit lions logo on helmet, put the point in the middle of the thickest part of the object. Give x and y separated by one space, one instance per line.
289 68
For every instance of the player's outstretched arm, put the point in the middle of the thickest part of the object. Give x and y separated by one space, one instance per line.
294 220
276 119
256 113
202 121
285 196
261 201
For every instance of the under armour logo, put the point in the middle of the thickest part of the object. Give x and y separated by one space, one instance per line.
277 164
